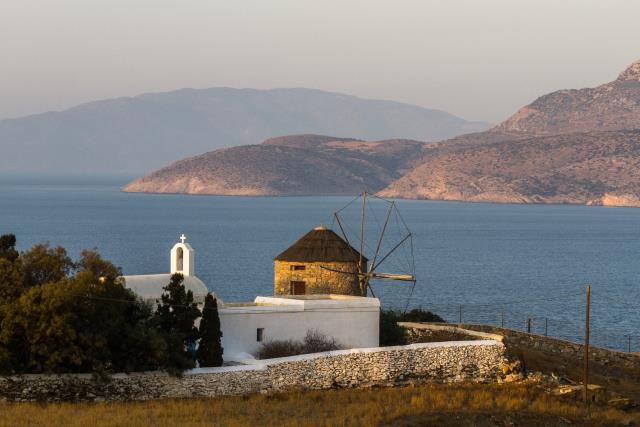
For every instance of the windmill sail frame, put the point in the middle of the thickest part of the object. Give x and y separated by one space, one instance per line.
364 277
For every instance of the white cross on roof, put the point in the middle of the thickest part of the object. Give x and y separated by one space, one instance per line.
183 238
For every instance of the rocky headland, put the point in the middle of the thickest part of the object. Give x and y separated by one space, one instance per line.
292 165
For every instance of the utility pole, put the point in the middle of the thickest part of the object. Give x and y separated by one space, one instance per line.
546 326
460 314
586 349
529 325
363 286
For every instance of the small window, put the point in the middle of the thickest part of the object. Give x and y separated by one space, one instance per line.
298 288
260 334
298 267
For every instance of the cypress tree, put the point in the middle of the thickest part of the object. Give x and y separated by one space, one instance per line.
210 348
175 316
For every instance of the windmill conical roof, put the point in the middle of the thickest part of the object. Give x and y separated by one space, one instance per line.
320 245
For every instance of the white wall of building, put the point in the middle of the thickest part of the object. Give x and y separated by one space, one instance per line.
352 321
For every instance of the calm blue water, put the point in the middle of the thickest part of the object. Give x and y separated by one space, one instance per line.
496 261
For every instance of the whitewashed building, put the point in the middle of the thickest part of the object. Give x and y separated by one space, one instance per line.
149 286
351 320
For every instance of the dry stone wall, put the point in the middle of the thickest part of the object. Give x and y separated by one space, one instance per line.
441 362
438 332
561 347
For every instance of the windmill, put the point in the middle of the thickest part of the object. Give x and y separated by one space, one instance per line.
387 244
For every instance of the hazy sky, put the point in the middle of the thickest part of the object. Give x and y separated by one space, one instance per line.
479 59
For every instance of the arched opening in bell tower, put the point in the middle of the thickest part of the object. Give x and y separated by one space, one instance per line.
180 259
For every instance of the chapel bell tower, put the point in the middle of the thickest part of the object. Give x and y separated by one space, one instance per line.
183 258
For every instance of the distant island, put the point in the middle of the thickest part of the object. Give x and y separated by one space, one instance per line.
138 134
287 166
570 146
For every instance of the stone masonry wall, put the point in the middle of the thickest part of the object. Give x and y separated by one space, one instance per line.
552 345
441 362
318 277
439 332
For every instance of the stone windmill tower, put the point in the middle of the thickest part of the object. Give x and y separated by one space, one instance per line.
320 262
323 262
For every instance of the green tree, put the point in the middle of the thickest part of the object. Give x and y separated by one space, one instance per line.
8 247
10 282
175 317
61 316
88 322
44 264
76 325
10 289
210 347
97 268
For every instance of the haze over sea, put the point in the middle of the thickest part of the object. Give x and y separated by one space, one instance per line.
487 261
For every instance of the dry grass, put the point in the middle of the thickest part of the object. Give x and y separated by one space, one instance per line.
421 405
622 380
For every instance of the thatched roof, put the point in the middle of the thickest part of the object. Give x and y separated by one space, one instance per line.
320 245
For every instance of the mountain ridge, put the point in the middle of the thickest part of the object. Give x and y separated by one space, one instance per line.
568 146
611 106
147 131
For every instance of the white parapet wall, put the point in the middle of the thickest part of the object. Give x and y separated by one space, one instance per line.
352 321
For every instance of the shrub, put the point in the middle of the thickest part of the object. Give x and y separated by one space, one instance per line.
279 348
390 332
314 342
317 342
393 334
419 315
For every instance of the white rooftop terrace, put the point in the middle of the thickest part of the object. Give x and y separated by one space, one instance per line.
304 303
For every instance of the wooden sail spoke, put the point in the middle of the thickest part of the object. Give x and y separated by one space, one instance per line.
393 276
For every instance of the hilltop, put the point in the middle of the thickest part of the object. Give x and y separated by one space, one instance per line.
145 132
292 165
611 106
570 146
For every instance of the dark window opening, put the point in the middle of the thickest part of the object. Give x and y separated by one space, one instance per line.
260 334
298 267
298 288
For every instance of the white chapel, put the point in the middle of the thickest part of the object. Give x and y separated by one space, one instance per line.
150 286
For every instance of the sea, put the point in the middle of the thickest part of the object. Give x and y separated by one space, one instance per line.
505 264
